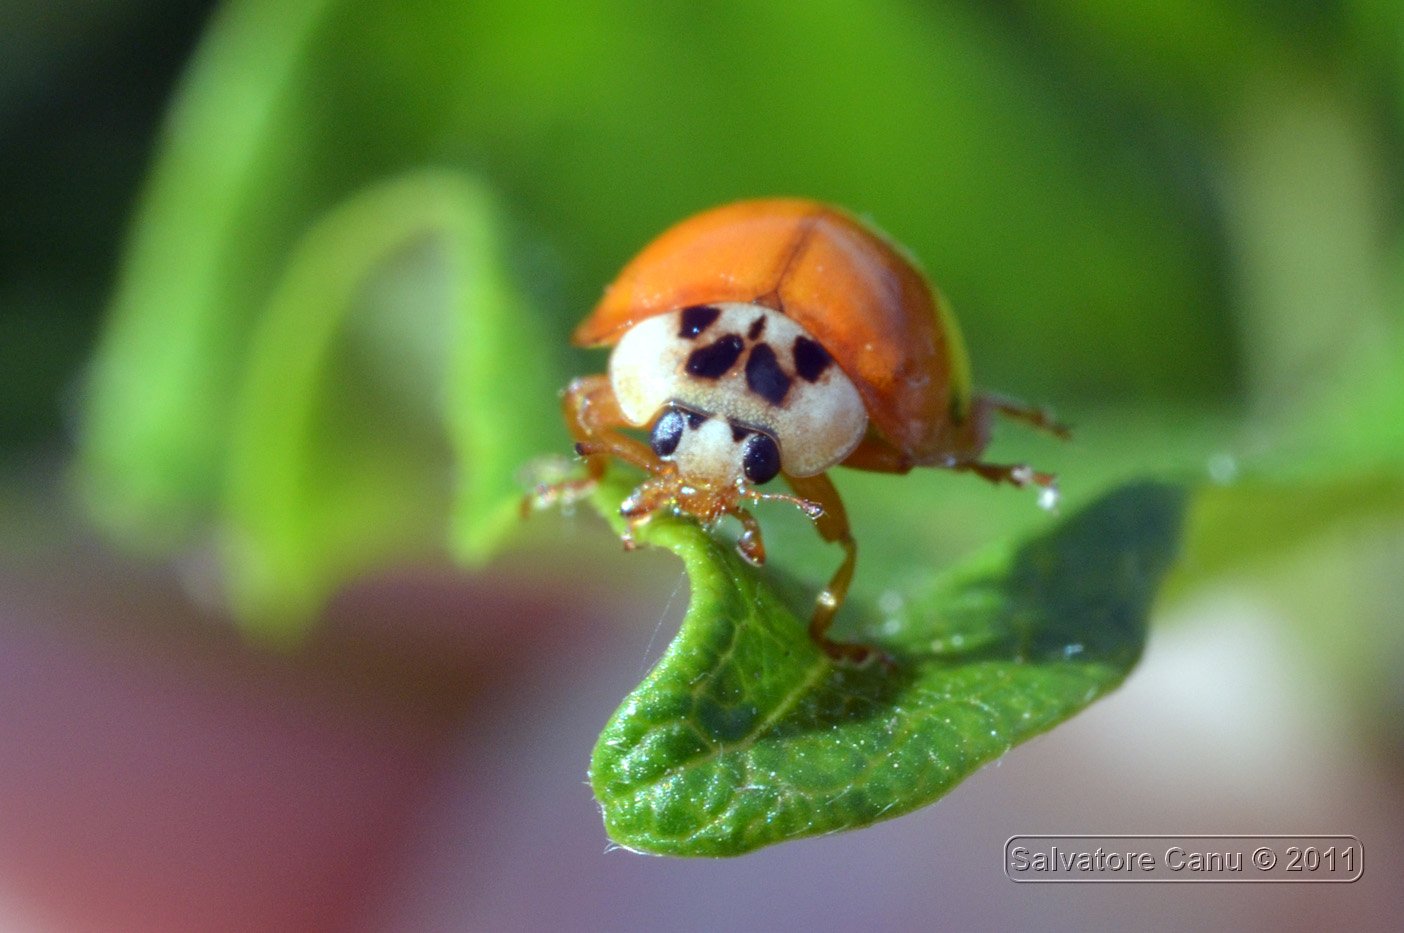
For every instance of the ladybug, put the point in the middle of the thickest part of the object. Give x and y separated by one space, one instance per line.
778 338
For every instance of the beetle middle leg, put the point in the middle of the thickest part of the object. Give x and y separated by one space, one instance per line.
965 441
1015 474
971 436
832 524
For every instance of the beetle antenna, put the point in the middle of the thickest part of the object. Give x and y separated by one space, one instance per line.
808 506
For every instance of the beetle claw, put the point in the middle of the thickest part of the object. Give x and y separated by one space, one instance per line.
751 549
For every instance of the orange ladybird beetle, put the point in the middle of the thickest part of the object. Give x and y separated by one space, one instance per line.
778 337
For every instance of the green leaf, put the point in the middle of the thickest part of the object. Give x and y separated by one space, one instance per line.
396 377
223 205
745 735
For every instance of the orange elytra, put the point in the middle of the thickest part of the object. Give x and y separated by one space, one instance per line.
778 337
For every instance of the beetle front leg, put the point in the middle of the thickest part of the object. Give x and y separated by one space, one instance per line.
832 524
751 546
593 417
651 495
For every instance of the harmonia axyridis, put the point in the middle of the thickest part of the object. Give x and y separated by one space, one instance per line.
769 338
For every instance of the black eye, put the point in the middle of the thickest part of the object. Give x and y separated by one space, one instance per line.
760 458
667 432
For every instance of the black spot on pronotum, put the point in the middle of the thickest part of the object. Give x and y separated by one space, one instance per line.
811 359
713 360
697 319
761 458
695 419
738 433
667 432
764 375
757 328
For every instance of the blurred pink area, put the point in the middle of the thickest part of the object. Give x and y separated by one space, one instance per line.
420 765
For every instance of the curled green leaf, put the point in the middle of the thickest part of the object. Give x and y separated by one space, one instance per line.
745 735
397 376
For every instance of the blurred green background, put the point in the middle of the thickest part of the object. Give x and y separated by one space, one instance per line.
259 263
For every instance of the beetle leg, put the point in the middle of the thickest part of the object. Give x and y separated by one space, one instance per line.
969 436
1015 474
832 524
1034 415
751 546
963 444
592 415
972 435
651 495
